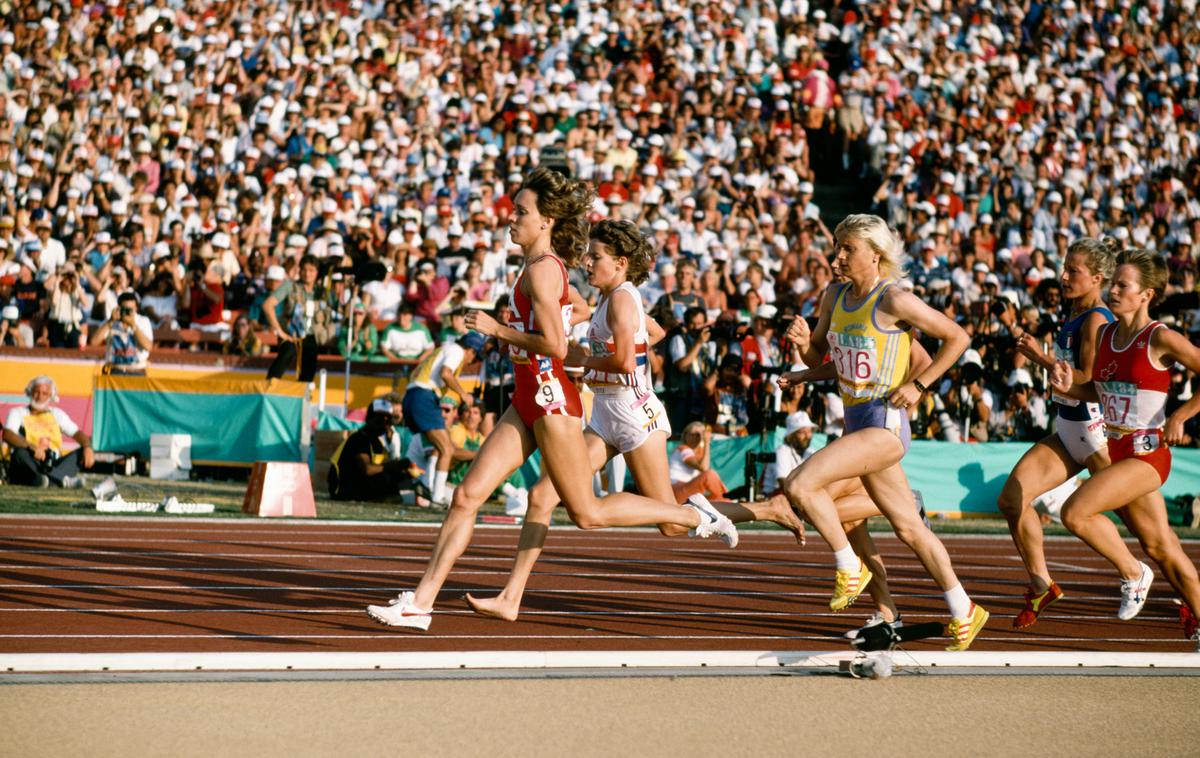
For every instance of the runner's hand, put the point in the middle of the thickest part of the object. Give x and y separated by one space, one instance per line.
905 396
1030 347
1062 376
482 323
1173 433
799 334
576 354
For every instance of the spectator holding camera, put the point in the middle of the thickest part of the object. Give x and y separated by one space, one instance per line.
728 396
66 304
128 338
690 358
204 297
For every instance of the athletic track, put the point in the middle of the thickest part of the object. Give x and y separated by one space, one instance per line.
126 585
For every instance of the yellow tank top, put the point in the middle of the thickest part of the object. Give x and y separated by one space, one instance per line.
43 428
870 361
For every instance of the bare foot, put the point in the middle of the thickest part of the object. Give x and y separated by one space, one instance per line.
781 512
496 607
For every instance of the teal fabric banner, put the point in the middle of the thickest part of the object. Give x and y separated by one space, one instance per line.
952 477
231 423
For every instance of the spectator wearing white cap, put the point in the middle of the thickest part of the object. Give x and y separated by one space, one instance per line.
13 333
797 438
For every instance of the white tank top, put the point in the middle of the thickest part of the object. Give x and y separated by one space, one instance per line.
600 338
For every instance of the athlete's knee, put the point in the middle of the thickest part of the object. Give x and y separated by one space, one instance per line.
672 530
799 490
1012 499
586 516
1072 518
466 498
589 520
910 533
1158 550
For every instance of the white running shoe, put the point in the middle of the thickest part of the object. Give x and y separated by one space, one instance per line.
875 620
1134 592
401 611
712 522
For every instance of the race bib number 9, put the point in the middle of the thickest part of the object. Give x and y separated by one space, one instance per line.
550 395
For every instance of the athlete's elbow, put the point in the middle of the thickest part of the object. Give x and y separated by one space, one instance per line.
557 350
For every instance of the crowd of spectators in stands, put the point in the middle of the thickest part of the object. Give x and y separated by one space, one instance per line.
337 175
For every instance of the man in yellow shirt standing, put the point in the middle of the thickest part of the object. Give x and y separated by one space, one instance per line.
35 433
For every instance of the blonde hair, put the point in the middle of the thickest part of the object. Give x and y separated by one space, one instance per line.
1100 256
875 232
696 427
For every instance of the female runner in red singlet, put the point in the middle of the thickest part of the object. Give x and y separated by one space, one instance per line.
546 414
1130 380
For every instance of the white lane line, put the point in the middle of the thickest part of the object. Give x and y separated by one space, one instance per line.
575 659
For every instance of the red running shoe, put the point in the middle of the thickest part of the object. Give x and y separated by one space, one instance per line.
1188 620
1035 604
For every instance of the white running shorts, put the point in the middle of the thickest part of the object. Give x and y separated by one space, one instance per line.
622 421
1082 439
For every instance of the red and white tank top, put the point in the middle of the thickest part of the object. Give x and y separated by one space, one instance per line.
600 338
1133 391
523 320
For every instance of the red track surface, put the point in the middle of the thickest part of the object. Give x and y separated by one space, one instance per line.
125 585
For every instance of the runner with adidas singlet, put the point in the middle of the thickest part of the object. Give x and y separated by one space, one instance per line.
855 506
865 328
547 222
627 417
1130 380
1078 439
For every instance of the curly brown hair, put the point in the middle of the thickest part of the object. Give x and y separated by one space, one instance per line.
625 241
567 201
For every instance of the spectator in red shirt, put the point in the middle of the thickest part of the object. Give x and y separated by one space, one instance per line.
426 291
205 296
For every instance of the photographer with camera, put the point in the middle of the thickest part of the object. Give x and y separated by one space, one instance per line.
128 338
35 432
762 357
690 358
66 304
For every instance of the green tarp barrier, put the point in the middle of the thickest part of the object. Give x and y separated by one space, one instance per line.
229 421
952 477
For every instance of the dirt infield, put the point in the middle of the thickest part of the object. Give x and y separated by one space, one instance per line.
758 716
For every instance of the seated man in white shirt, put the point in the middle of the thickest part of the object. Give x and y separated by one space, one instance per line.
795 450
35 432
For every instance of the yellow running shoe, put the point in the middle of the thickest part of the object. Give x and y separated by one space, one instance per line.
848 585
963 631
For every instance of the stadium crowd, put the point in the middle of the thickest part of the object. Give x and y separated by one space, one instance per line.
351 166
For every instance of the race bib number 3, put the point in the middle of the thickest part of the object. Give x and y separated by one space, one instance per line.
1146 441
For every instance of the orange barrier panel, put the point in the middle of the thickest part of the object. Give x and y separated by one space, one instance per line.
278 488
